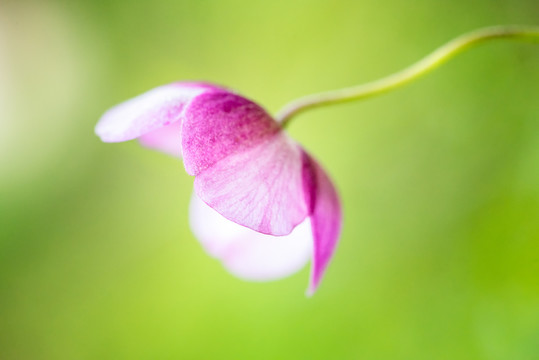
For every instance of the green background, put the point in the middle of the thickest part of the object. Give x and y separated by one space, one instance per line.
439 255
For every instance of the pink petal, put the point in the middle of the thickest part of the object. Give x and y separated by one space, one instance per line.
217 125
261 188
246 168
326 218
246 253
166 139
148 112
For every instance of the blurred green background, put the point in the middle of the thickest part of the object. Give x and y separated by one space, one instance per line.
439 256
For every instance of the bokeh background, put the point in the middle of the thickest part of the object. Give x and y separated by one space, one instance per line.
439 256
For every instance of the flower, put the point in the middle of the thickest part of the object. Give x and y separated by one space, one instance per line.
277 206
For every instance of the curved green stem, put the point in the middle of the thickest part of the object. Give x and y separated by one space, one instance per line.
420 68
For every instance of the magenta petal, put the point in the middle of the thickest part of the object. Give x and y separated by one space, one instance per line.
245 167
217 125
246 253
261 188
150 111
326 218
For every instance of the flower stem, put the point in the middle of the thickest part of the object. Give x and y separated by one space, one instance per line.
403 77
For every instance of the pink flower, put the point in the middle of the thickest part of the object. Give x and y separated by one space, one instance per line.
277 206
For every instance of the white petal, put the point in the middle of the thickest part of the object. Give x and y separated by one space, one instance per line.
246 253
149 111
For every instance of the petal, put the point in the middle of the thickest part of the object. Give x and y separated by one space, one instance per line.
148 112
166 139
260 188
217 125
246 168
248 254
326 217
